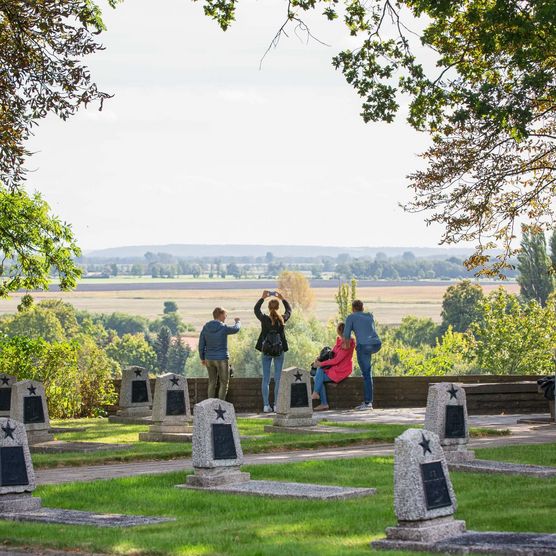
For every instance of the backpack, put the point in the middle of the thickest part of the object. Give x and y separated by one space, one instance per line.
272 344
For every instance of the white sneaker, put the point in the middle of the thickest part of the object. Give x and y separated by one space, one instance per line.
365 406
267 409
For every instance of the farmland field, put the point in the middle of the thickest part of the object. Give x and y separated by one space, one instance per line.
388 303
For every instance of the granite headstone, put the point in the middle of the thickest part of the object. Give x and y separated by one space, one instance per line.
28 406
171 414
294 407
446 416
424 499
135 393
6 383
17 477
217 454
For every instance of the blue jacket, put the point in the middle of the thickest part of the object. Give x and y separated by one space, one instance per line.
213 341
363 325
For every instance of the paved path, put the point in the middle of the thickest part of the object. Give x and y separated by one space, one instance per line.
521 434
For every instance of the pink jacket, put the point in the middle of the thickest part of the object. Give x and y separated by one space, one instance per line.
341 365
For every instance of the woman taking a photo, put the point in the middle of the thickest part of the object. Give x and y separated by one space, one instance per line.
333 370
272 342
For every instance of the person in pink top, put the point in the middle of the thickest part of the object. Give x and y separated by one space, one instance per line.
337 368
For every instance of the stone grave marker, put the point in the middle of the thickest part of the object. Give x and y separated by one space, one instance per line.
171 414
135 396
424 499
294 407
17 477
28 406
446 416
217 454
6 383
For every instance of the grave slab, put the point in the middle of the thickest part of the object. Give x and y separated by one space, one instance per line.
76 517
6 383
503 468
60 446
305 491
319 429
171 413
28 406
135 394
294 407
446 416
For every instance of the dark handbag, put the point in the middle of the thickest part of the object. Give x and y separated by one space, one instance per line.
546 384
326 353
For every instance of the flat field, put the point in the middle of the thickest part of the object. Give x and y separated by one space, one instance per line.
388 303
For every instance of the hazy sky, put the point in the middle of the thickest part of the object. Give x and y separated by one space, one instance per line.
200 146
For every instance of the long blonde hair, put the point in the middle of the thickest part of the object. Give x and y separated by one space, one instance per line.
275 316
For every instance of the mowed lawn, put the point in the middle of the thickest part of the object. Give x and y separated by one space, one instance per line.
389 304
218 524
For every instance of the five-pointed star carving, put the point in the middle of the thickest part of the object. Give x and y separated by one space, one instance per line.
5 380
425 445
175 380
32 390
453 392
8 431
298 376
138 372
220 413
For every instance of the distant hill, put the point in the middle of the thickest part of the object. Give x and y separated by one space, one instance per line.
198 250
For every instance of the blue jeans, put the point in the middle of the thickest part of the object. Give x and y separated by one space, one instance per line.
364 362
278 364
320 378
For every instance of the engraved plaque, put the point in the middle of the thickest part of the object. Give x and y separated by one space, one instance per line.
139 391
223 445
13 471
5 399
175 402
298 395
32 410
455 423
434 483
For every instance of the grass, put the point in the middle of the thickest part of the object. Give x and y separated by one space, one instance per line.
255 441
217 524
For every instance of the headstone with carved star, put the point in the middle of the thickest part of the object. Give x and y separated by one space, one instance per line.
424 499
28 406
17 477
6 383
217 454
294 406
171 414
446 416
135 393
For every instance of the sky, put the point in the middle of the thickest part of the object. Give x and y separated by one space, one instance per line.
200 145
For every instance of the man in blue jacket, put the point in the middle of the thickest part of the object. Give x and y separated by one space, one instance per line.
362 324
213 351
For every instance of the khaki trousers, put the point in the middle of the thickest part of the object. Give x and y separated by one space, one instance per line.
218 370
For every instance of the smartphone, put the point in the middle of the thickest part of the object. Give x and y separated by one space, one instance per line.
270 292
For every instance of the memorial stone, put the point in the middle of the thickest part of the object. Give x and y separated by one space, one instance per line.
6 383
28 406
446 416
217 454
294 407
424 499
135 393
171 414
17 477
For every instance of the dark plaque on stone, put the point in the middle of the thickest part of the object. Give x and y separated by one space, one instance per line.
455 423
32 410
298 396
223 445
434 483
139 391
175 402
5 399
13 471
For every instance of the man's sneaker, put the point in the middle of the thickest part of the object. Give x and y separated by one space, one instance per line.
267 409
365 406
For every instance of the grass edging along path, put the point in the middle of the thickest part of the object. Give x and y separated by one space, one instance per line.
211 523
255 441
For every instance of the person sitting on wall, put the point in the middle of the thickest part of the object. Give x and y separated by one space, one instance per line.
333 370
